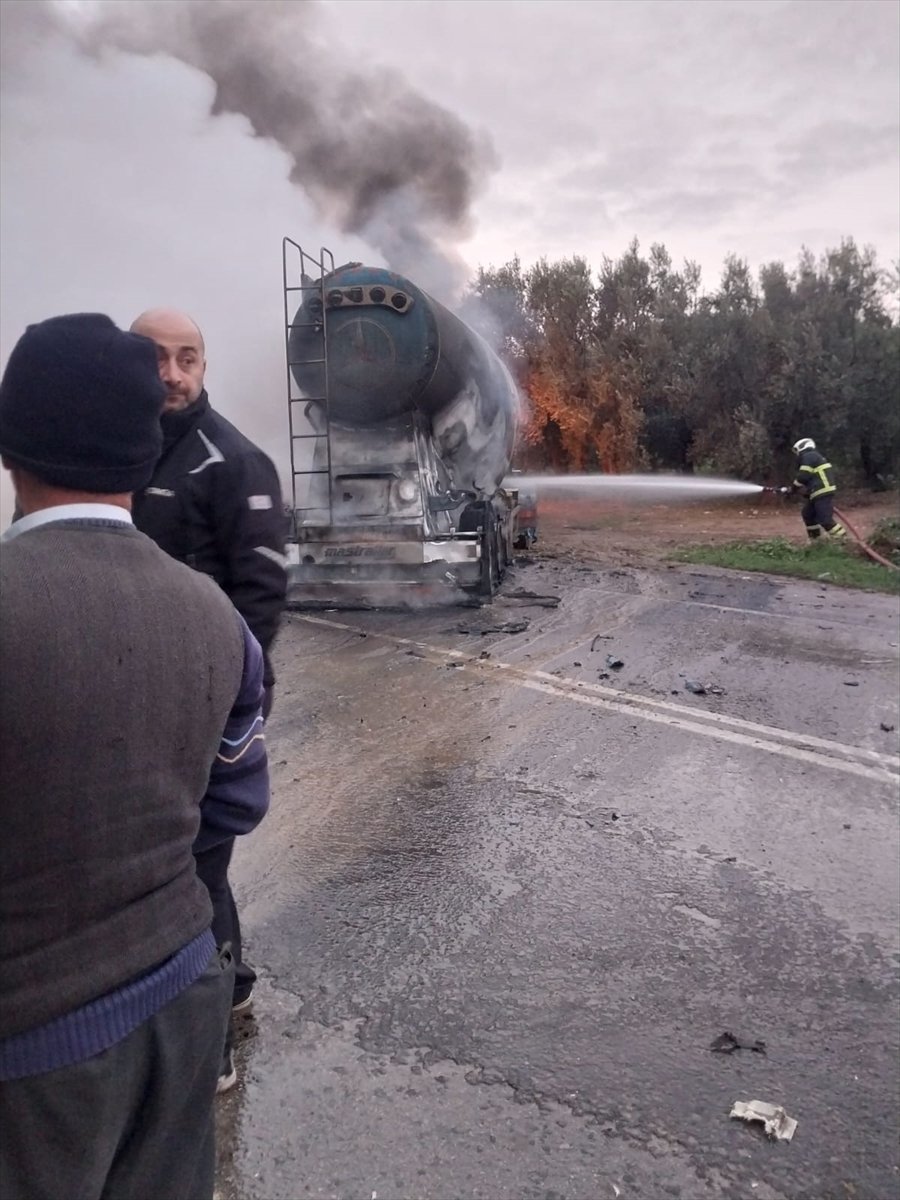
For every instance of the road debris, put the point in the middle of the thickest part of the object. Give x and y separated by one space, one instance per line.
702 689
851 683
614 664
534 598
600 637
774 1119
887 728
505 627
727 1043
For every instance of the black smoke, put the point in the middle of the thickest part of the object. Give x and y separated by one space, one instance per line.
377 158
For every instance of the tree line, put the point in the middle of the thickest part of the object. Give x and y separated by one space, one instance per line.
636 367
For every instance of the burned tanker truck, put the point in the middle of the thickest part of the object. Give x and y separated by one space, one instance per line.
402 427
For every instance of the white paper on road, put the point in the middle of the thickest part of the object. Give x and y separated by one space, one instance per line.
774 1119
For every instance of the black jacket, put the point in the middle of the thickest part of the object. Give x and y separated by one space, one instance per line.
214 502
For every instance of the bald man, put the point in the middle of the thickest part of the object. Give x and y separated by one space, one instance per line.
214 502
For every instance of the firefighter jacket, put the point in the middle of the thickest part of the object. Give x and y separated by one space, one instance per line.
815 475
214 502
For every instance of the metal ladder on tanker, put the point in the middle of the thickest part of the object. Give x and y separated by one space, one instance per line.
294 263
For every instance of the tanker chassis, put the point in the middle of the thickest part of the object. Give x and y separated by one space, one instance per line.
402 425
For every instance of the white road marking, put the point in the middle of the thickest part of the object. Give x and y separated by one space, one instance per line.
853 760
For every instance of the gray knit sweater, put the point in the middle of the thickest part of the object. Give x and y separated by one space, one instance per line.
119 669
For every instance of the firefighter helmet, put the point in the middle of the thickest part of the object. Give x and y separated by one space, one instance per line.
803 444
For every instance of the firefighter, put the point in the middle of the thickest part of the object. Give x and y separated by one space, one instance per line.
815 479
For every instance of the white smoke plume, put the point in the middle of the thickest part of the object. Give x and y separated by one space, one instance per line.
378 159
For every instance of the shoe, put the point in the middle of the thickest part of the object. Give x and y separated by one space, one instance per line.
244 1004
227 1074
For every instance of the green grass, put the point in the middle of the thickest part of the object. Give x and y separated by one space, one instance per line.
826 562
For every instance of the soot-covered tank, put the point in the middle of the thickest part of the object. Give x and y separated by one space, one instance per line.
393 351
409 419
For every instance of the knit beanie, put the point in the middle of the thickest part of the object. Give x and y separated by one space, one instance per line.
80 403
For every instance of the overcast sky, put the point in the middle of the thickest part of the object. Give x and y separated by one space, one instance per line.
713 126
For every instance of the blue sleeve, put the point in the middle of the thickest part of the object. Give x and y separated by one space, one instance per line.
237 797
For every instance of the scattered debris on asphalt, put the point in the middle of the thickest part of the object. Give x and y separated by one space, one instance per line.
485 654
847 825
851 683
576 664
727 1043
614 664
702 689
887 728
600 637
505 627
775 1120
415 654
534 598
604 675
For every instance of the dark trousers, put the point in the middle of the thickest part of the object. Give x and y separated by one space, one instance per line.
133 1123
818 514
212 869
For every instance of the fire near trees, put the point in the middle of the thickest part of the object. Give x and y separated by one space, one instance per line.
637 367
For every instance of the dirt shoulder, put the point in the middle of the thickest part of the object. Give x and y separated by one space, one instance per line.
612 532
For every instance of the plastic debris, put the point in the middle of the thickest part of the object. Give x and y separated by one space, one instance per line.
727 1043
691 685
614 664
851 683
887 728
775 1121
600 637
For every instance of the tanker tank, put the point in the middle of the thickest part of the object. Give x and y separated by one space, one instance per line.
394 353
402 435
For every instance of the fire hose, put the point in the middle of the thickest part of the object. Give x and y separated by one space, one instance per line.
873 554
854 532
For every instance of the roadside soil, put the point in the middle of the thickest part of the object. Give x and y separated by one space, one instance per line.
610 531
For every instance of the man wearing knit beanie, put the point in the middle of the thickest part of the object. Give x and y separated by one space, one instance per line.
130 730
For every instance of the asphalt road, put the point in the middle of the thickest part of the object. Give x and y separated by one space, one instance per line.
502 905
